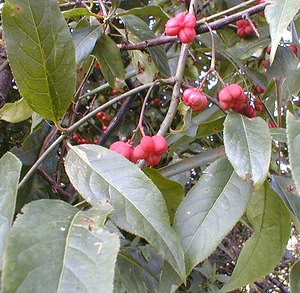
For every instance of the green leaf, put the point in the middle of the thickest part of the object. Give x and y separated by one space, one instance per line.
109 57
295 278
151 10
287 190
293 138
98 174
85 40
77 12
285 65
54 247
279 14
141 30
144 68
248 146
138 269
41 55
172 191
10 169
262 252
210 210
278 134
15 112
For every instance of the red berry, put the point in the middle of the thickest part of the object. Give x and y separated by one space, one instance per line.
244 28
268 51
105 118
160 144
97 66
114 91
271 124
100 114
195 99
122 148
258 105
156 102
104 127
265 63
95 141
182 25
147 144
75 136
250 112
138 154
153 159
294 49
233 97
259 89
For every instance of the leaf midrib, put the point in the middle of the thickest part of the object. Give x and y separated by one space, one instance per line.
91 166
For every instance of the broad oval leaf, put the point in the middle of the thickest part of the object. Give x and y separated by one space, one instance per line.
279 14
100 175
41 55
293 139
85 40
15 112
54 247
248 146
271 222
295 278
210 210
109 57
10 169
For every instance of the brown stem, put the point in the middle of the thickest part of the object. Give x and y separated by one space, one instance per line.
6 76
215 25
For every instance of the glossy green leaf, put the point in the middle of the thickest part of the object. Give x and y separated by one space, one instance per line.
41 55
85 40
54 247
99 175
248 146
151 10
262 252
295 278
109 57
10 169
279 14
141 30
293 138
15 112
210 210
172 191
138 269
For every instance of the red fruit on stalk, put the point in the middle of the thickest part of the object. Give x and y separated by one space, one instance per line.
104 127
268 51
182 25
250 112
100 114
265 63
195 99
244 28
271 124
114 91
232 97
105 118
150 149
122 148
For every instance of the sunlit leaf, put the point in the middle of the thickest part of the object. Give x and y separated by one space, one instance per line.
41 55
15 112
54 247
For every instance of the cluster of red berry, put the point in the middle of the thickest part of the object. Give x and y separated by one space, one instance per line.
244 28
233 97
104 118
150 149
183 26
79 140
195 99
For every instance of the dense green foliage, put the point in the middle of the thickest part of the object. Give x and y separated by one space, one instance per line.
76 216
